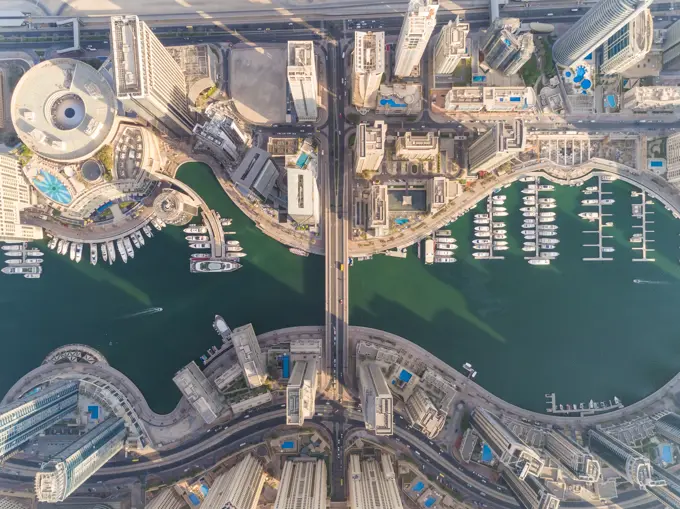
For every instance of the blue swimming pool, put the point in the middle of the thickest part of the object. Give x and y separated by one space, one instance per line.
666 454
656 164
418 486
611 101
288 445
93 410
487 455
52 187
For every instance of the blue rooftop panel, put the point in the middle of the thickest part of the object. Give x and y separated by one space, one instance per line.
515 99
418 486
405 376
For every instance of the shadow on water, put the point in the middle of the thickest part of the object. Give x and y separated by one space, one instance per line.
83 304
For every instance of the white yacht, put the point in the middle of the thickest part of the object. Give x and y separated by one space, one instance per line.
482 228
547 233
482 234
444 259
128 247
500 243
548 241
539 261
590 216
548 206
590 202
93 254
483 242
33 252
529 214
156 224
528 232
500 236
53 243
546 201
499 197
530 237
610 201
200 256
607 249
528 191
448 246
481 255
196 228
112 251
527 179
213 266
530 244
609 178
501 248
226 221
481 221
121 250
228 248
546 187
547 214
33 261
498 224
105 254
233 243
549 254
528 209
79 252
206 245
135 240
147 230
444 240
635 239
30 269
443 252
547 220
72 252
481 247
528 248
500 231
590 189
197 238
481 216
13 247
233 256
498 209
500 214
140 237
549 246
548 227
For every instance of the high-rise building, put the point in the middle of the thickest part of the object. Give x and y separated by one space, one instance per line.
199 391
372 484
370 146
168 498
15 195
249 355
238 488
499 144
26 417
419 22
505 50
378 214
598 24
376 400
417 146
451 46
302 79
668 426
423 414
148 79
529 491
508 447
580 462
301 392
369 66
651 99
671 46
628 45
303 485
635 467
71 467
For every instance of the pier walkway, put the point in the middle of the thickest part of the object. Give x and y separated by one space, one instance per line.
601 225
640 211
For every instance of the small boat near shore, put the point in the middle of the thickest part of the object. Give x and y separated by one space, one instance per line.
197 238
298 252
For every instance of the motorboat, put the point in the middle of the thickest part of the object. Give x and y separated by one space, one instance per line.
33 261
500 243
79 252
590 189
200 245
481 221
112 251
501 248
528 209
499 236
483 242
607 249
228 248
546 187
528 248
547 206
213 266
156 224
529 214
528 226
498 224
230 256
590 202
590 216
485 254
24 269
529 221
548 227
500 214
528 191
530 244
539 261
33 252
483 246
481 216
547 233
443 252
53 243
443 233
635 239
147 230
93 254
547 214
72 251
135 240
500 231
140 237
527 179
482 228
444 240
105 255
498 209
528 232
482 234
447 246
128 247
499 197
196 229
121 249
548 241
13 247
226 221
549 254
610 201
233 243
200 256
608 178
546 201
549 246
530 237
197 238
444 259
547 220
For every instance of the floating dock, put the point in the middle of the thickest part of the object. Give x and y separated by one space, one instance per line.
640 212
601 225
581 409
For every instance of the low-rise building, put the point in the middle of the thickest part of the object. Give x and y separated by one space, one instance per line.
198 391
400 99
256 176
423 414
307 346
301 393
303 485
651 99
228 377
370 146
498 145
238 488
421 147
249 355
223 135
376 400
249 403
490 99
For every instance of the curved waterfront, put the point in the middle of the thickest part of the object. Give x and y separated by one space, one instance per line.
581 329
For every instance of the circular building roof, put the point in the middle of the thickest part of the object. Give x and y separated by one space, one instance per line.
91 170
63 109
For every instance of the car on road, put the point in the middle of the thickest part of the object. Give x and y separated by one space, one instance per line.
550 14
574 10
90 48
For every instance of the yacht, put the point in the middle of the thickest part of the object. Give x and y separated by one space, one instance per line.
213 266
529 214
547 233
233 243
228 248
530 237
546 187
498 209
140 237
635 239
500 236
105 254
482 228
548 227
481 255
528 209
527 179
499 197
112 251
444 240
128 247
500 214
226 221
530 244
79 252
147 230
500 231
33 261
501 248
607 249
481 216
156 224
443 233
53 243
530 203
481 221
547 214
160 222
197 238
229 233
590 216
443 252
33 252
528 248
233 256
444 259
205 245
546 201
482 234
590 189
539 261
195 228
550 254
590 202
481 246
608 178
500 243
62 246
35 269
546 220
483 242
134 240
550 242
548 206
528 226
93 254
12 247
528 191
14 261
610 201
72 251
528 232
447 246
498 224
548 246
121 250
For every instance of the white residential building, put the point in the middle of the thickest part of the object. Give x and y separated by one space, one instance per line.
15 195
376 399
378 210
419 22
228 377
651 99
417 146
148 80
303 485
222 135
369 66
198 391
370 146
302 79
629 45
499 144
492 99
308 346
451 46
249 355
168 498
304 202
238 488
424 414
673 158
301 393
372 483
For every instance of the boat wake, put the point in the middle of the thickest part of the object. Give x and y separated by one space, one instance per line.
150 311
645 282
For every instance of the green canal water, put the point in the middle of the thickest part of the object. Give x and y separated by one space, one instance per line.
581 329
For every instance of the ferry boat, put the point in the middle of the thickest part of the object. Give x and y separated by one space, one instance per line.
481 216
500 243
548 241
498 224
140 237
481 255
128 247
482 234
539 261
443 252
112 251
233 243
547 214
226 221
501 248
447 246
549 254
528 209
547 201
121 250
527 179
590 216
608 178
298 252
72 251
444 259
482 228
499 236
607 249
484 242
147 230
200 245
12 247
200 256
53 243
105 255
443 233
33 252
547 227
79 252
213 266
228 248
93 254
610 201
483 246
528 232
30 269
547 233
481 221
500 214
195 228
134 240
197 238
590 202
546 187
